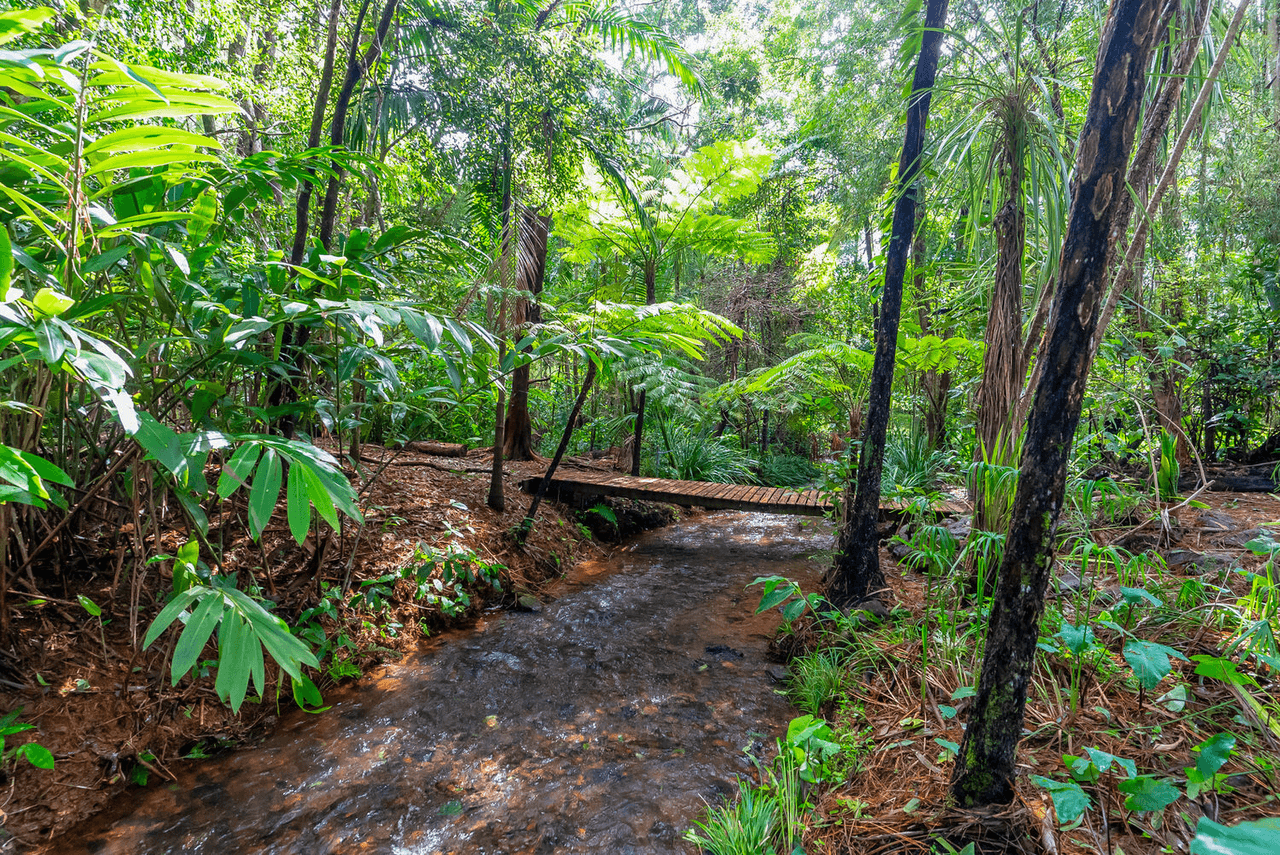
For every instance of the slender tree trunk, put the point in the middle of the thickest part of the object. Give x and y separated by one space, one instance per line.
650 297
505 247
527 525
1137 244
856 575
985 766
531 270
293 337
358 66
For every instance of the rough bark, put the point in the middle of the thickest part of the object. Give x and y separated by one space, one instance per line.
1124 275
856 576
531 271
985 765
1003 368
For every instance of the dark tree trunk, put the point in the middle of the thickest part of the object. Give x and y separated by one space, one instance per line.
531 271
635 446
527 525
985 765
650 297
357 66
856 575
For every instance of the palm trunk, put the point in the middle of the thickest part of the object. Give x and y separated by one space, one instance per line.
1003 369
531 269
985 765
856 575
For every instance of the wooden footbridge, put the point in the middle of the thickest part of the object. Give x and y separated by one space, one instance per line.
569 484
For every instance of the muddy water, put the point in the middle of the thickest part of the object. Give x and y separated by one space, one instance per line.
602 723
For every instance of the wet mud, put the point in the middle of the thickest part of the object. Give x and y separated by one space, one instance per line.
603 722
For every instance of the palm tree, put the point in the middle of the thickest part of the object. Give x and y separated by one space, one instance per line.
1011 149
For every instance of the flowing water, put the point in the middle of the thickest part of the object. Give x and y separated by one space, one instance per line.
602 723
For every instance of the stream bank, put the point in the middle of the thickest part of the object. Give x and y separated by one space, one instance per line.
602 722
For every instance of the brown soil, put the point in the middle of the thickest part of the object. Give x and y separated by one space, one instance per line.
897 802
106 708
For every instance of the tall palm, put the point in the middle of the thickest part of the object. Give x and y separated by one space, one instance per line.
1011 149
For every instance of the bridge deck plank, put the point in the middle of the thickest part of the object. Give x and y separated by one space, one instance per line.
713 496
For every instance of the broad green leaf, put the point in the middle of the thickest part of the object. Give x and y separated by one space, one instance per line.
148 136
1219 668
1069 800
794 609
1076 639
1150 661
50 303
298 503
320 493
6 260
203 214
162 444
150 158
1133 596
235 640
36 755
306 695
169 614
774 595
1261 837
235 474
1214 753
195 635
264 493
89 605
1147 792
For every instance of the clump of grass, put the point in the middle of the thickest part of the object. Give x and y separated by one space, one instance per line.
744 827
817 678
693 455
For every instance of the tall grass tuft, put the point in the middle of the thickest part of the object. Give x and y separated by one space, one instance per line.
744 827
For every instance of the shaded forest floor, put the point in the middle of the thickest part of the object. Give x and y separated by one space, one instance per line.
106 709
899 727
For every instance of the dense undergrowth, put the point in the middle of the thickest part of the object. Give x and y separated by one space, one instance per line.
1152 716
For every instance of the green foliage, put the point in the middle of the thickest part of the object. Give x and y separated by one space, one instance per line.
1246 838
786 470
817 679
743 827
34 753
1169 470
696 455
781 592
244 627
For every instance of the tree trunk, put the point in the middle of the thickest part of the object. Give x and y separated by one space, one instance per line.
357 66
650 297
635 445
1003 369
531 271
856 575
527 525
293 337
985 766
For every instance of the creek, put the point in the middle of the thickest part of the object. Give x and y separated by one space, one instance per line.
604 722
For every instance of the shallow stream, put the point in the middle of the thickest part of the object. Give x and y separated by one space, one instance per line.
602 723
